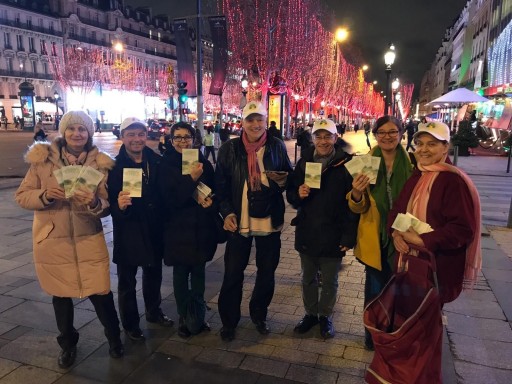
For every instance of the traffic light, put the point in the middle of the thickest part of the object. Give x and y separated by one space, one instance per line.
182 92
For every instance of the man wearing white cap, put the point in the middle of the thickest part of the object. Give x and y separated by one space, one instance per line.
251 175
137 230
325 228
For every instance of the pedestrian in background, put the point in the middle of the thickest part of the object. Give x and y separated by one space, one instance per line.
250 176
325 228
189 229
411 130
224 133
216 130
39 134
373 202
367 130
304 140
274 131
70 252
137 225
209 147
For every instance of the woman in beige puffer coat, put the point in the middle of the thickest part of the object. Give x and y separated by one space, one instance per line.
70 253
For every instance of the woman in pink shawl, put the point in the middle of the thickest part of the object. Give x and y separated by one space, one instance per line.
443 196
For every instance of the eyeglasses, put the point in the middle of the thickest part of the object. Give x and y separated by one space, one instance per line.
389 133
182 138
324 138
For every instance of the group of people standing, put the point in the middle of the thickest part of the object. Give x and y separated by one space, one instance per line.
173 223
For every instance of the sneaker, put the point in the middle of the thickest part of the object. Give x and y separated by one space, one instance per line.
67 357
135 334
161 320
307 322
326 328
227 334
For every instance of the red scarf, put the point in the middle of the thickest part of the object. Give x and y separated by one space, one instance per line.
252 159
418 207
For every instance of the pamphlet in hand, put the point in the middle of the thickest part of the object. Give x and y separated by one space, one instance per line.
403 222
58 175
69 176
132 181
189 159
89 178
313 175
202 192
366 164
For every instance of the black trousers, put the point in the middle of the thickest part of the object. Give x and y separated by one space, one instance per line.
64 314
127 297
207 151
236 258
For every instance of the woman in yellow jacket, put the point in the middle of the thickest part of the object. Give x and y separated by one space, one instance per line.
374 247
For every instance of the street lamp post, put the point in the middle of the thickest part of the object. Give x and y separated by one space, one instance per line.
394 86
296 97
245 83
389 59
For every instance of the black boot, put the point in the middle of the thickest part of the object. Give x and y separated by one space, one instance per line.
116 348
67 357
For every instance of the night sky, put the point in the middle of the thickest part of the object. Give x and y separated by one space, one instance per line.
416 27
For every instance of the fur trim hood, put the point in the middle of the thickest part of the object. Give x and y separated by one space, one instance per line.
44 151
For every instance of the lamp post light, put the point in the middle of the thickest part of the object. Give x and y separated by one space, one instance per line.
56 98
389 59
244 83
296 97
394 86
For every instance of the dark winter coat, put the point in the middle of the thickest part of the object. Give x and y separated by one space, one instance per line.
189 231
323 222
232 173
138 229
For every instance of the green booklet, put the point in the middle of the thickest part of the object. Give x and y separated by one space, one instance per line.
132 181
189 159
313 175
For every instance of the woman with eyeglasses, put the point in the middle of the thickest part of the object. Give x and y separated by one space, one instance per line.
70 253
190 238
374 247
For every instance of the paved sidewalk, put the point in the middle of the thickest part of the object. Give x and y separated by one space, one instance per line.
478 347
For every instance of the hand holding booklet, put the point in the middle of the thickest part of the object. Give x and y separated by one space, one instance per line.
313 175
403 222
189 159
132 181
74 177
366 164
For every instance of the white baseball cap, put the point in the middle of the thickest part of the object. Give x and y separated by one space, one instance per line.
326 125
132 122
435 128
254 107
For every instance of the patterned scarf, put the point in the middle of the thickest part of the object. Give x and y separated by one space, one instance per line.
418 207
252 159
70 159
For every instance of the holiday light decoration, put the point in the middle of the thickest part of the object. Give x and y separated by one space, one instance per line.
283 46
499 57
405 101
85 68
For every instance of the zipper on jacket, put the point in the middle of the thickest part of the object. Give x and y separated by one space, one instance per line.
74 249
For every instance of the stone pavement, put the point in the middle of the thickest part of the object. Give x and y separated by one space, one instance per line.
478 342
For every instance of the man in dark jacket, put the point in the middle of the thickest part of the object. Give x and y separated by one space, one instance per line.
250 176
325 227
411 130
274 131
137 229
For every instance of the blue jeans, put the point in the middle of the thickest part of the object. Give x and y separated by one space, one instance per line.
319 303
236 258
